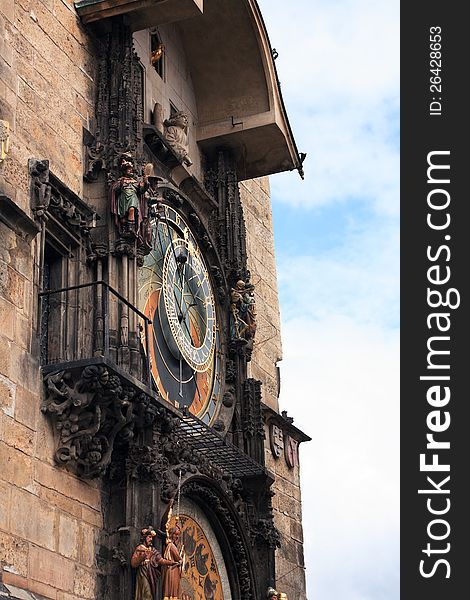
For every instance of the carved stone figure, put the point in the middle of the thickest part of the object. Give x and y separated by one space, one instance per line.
242 308
4 139
172 574
147 560
291 451
276 438
176 134
128 201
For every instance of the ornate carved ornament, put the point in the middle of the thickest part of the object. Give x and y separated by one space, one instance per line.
284 437
51 199
227 223
291 451
119 109
276 440
242 317
176 136
4 139
242 562
91 411
251 419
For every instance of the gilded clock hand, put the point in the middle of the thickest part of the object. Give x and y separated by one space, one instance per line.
180 393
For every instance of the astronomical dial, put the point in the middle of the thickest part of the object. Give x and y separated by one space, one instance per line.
175 292
189 304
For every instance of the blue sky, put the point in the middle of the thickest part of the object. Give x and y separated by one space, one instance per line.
337 244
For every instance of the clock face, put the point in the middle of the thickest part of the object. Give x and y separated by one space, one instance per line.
175 292
200 569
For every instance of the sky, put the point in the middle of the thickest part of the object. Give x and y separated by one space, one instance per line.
337 245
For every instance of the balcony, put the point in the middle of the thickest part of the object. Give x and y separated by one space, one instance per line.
94 348
92 323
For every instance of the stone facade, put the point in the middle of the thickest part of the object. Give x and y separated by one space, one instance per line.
262 265
267 352
57 529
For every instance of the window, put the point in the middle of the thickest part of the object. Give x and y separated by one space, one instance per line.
156 53
173 110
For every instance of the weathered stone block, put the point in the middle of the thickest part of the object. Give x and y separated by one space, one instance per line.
68 536
54 499
7 320
51 569
94 517
27 407
16 466
87 545
8 9
41 529
7 395
14 554
11 285
84 583
45 444
68 485
18 436
5 489
296 531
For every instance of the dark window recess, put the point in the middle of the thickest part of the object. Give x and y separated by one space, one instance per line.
173 110
156 53
52 279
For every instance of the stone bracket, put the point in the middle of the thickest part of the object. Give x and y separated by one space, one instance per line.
93 408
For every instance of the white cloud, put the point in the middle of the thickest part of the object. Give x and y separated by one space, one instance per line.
358 278
344 48
339 68
340 381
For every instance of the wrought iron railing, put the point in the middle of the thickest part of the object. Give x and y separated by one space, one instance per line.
92 320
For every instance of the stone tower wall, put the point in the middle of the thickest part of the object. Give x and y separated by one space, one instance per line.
267 352
48 519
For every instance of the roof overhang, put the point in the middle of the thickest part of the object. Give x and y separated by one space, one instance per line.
140 13
237 90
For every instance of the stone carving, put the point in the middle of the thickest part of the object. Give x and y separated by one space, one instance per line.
291 451
128 200
4 139
90 413
227 224
228 398
40 187
229 525
50 196
243 312
200 231
276 439
252 419
145 463
219 283
230 371
176 136
286 417
119 111
266 533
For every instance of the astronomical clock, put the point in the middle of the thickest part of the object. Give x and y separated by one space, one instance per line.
176 293
203 570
